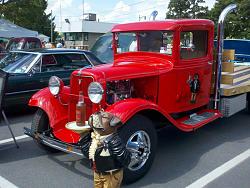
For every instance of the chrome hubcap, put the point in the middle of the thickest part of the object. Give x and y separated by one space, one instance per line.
139 145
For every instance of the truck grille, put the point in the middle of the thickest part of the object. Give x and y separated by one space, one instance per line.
76 86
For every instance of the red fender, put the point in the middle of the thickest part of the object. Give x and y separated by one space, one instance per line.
56 111
125 109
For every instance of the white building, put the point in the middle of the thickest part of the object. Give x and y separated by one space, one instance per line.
83 33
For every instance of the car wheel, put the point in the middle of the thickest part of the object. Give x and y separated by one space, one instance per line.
140 137
40 124
248 103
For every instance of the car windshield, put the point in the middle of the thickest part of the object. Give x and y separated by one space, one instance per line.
146 41
94 60
103 48
17 62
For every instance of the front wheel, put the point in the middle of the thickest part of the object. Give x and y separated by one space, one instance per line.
248 103
40 124
140 137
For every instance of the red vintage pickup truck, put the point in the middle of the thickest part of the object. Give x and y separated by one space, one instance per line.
161 75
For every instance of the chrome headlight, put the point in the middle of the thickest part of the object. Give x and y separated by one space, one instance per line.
95 92
55 85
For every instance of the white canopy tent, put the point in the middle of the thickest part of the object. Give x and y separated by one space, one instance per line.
9 30
43 38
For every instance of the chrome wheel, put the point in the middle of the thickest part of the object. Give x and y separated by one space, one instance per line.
140 147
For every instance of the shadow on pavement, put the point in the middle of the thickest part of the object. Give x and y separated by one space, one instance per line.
72 165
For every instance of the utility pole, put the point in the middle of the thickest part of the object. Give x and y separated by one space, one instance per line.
82 21
60 15
51 25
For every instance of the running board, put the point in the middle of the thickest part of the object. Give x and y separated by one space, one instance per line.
194 119
199 119
54 143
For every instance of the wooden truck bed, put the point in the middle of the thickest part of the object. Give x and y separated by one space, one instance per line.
235 78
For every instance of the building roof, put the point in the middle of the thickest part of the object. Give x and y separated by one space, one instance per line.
9 30
170 24
87 26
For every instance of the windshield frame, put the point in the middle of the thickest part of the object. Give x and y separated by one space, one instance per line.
115 42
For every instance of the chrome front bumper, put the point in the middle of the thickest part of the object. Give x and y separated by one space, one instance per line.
54 143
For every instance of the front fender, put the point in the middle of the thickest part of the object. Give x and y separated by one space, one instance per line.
126 109
56 111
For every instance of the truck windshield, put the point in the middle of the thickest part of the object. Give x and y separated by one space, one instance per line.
103 48
146 41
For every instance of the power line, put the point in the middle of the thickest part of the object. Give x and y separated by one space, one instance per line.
135 13
121 15
100 13
132 4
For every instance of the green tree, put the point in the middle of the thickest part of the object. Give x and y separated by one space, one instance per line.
187 9
29 14
236 25
178 9
197 10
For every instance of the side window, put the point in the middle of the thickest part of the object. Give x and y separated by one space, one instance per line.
193 44
156 41
49 63
72 61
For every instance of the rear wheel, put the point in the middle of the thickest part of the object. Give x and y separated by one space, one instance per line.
248 103
40 124
140 138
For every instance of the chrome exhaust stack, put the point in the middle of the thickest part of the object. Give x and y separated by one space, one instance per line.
220 35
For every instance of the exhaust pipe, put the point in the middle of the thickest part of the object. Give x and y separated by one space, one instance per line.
220 35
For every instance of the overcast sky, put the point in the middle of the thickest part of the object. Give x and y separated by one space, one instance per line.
109 10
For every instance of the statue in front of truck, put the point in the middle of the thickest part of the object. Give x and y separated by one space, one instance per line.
106 151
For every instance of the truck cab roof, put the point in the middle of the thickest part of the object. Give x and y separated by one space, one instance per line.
169 24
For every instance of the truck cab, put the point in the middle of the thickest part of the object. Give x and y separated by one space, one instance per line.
161 76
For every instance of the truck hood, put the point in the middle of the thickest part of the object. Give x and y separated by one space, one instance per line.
130 67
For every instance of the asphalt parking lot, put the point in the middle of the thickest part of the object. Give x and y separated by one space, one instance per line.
216 155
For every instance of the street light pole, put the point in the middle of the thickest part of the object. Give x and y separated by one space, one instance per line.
51 25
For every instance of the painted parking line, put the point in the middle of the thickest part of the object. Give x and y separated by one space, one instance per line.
11 139
6 184
220 170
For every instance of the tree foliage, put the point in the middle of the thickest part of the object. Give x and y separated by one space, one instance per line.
186 9
29 14
178 9
197 10
236 25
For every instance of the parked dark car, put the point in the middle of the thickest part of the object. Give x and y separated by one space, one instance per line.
29 71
